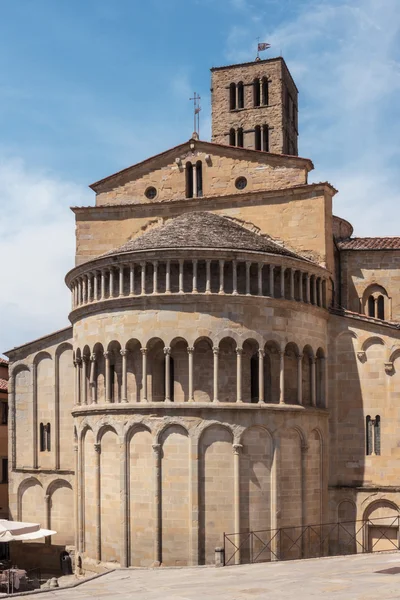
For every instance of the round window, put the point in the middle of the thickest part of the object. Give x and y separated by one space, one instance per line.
151 193
241 183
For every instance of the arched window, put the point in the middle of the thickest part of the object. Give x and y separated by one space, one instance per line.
171 378
256 92
240 137
371 306
189 180
48 438
257 137
381 307
377 435
232 137
265 138
240 95
368 435
232 96
254 389
45 437
42 443
265 91
199 179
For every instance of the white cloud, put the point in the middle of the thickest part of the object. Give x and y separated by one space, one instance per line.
36 250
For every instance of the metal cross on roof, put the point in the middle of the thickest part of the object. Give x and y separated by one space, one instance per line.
196 113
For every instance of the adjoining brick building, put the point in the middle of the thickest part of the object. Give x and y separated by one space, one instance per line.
233 357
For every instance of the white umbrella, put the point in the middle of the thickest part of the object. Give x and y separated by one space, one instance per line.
17 530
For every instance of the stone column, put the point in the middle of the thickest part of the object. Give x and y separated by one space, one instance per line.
181 276
283 270
144 373
124 354
314 284
103 284
300 379
167 352
303 475
89 287
47 515
300 286
76 499
248 265
190 359
239 354
95 286
319 296
275 499
208 277
76 392
111 284
271 281
194 283
92 378
325 386
237 450
234 278
292 271
85 360
324 298
132 280
215 379
155 277
107 377
79 373
194 180
78 302
308 288
168 277
143 278
121 280
313 382
97 449
259 274
84 289
123 461
221 276
261 355
282 377
157 505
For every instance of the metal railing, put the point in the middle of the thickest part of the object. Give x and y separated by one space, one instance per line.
312 541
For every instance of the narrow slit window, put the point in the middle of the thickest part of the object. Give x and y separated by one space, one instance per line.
254 391
377 435
368 435
381 307
240 137
42 444
48 438
232 137
240 95
199 179
371 306
256 92
265 91
189 180
232 96
265 134
4 470
257 137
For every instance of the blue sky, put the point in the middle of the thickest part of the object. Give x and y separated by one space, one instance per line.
90 87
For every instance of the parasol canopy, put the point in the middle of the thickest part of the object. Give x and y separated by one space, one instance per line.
18 531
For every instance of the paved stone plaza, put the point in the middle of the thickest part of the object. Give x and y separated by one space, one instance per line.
347 577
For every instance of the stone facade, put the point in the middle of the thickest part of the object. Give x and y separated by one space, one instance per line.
4 438
231 363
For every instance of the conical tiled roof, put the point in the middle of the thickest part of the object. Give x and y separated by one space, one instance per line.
202 230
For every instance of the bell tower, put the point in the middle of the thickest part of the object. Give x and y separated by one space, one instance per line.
254 106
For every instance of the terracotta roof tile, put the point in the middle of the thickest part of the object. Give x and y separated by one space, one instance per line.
3 361
370 243
203 230
3 385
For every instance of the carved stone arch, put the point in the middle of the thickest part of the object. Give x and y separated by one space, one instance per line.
370 341
216 424
161 432
301 434
395 354
256 426
56 484
41 356
349 501
23 486
83 429
379 503
348 332
134 428
19 369
228 335
62 348
254 338
102 429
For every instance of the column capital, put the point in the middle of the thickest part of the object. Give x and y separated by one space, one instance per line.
47 498
156 449
92 358
78 361
300 357
155 263
221 261
106 354
75 447
143 351
85 358
190 349
237 448
123 352
261 353
167 350
97 448
215 350
239 351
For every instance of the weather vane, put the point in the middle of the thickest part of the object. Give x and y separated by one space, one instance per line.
261 47
196 114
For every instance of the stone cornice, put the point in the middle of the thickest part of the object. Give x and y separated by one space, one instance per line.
307 190
62 335
341 312
157 301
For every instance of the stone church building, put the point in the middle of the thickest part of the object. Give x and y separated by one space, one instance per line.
232 362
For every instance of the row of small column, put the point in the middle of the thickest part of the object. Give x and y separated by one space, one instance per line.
82 366
86 288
